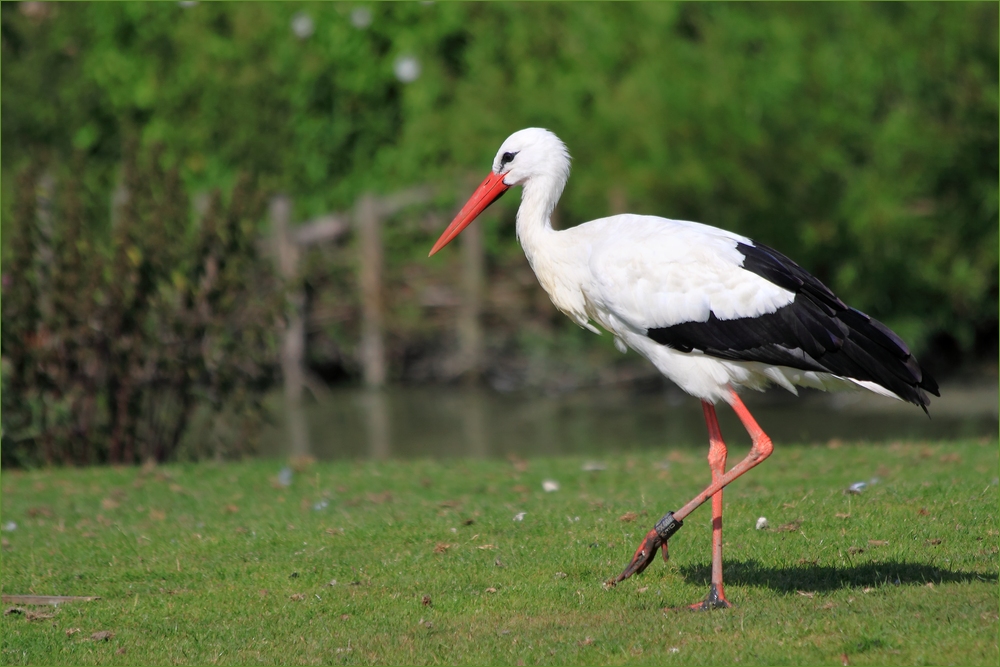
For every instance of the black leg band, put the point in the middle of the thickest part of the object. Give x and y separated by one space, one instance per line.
667 526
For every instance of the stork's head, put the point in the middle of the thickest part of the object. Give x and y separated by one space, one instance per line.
532 154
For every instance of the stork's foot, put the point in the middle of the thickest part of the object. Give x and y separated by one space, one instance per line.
644 555
714 600
655 539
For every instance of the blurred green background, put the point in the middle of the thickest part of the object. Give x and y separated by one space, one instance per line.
859 139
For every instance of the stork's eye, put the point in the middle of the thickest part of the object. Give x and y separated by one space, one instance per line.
505 158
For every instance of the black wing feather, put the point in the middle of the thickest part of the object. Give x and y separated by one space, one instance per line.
815 332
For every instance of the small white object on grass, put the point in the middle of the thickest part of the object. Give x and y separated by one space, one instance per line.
519 516
550 485
762 523
285 477
857 487
594 466
321 505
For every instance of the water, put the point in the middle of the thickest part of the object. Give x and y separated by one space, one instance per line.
459 422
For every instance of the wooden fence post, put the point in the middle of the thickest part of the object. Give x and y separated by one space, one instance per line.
367 220
366 217
294 342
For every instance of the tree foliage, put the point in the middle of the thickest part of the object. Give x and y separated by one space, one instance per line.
860 139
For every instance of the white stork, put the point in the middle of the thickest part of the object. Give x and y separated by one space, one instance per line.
712 310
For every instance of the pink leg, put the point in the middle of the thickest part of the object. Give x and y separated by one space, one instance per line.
759 450
656 538
717 462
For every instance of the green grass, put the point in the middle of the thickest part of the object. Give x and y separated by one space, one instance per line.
214 564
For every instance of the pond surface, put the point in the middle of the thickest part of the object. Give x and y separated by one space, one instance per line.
459 422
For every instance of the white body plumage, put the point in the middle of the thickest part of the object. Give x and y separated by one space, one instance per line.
649 280
630 273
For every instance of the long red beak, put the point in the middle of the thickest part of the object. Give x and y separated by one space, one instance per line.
488 192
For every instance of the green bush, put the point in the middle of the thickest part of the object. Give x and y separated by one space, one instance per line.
110 347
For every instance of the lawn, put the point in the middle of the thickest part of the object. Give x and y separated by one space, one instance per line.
424 562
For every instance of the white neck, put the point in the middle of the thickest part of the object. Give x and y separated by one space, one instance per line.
534 217
553 255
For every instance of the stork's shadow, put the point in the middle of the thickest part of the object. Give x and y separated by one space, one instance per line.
829 578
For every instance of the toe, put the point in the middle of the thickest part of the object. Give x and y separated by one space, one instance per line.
643 556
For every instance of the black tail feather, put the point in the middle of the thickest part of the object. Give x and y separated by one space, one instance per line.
815 332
